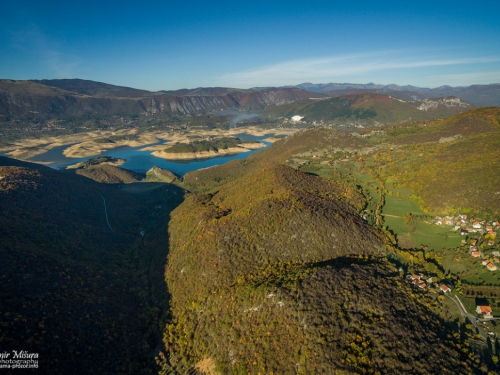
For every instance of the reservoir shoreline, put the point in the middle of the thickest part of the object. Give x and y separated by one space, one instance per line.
144 151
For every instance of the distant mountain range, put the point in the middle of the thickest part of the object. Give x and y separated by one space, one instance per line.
340 103
478 95
76 97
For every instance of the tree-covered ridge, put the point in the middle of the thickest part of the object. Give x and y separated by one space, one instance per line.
317 139
349 316
281 216
274 271
369 109
207 145
98 160
264 229
450 165
470 123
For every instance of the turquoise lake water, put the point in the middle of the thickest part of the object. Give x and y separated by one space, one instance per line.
142 161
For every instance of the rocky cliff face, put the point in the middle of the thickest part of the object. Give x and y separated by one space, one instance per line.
25 99
449 102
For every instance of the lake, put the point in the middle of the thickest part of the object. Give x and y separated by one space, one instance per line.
142 161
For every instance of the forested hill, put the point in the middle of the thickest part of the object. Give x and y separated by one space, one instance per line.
78 282
274 271
318 140
369 109
451 165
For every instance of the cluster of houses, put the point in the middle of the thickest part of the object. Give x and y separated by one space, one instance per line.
423 282
466 226
488 262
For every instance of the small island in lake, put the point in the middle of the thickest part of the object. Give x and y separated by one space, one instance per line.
97 161
208 148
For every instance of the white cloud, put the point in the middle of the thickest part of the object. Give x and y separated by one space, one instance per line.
342 68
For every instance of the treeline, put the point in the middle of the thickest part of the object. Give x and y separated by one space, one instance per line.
96 161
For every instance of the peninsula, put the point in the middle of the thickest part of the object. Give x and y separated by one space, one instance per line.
207 148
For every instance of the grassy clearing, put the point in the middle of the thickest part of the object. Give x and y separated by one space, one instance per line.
436 237
450 310
399 206
316 168
459 261
469 304
487 277
421 231
363 177
401 191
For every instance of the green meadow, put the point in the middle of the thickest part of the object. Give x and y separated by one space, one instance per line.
419 231
487 277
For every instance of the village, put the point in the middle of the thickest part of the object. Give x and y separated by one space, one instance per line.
483 312
480 242
482 230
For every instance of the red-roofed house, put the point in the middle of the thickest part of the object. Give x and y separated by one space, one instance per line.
420 283
475 254
485 311
444 288
491 267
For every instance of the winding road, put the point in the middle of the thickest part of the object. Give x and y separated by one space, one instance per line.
106 212
472 318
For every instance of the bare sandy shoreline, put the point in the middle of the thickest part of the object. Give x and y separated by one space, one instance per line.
244 147
83 145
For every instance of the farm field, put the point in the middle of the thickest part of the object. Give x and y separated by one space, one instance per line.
487 277
419 231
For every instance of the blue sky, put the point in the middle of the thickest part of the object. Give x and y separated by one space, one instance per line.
166 45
